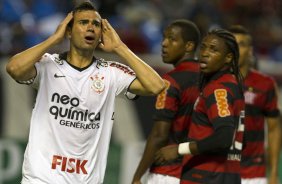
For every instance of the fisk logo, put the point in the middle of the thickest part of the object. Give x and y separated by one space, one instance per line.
70 165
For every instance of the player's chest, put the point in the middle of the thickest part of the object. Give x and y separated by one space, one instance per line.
89 86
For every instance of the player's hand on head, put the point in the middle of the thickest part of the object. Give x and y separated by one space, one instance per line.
61 30
110 39
166 154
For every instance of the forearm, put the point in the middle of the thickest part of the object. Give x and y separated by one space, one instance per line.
148 77
21 65
274 144
218 141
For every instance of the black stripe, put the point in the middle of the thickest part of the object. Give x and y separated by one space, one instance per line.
179 136
185 79
258 160
200 118
201 176
254 136
164 115
225 121
186 109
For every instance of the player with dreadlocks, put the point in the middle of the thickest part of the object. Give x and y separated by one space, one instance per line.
213 151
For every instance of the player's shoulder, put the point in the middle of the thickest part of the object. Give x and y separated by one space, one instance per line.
48 58
114 65
259 75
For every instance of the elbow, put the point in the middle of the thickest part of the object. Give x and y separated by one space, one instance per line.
12 71
158 88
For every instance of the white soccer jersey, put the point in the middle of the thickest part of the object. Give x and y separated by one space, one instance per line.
72 121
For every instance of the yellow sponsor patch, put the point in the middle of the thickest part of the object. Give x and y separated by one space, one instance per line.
221 102
160 103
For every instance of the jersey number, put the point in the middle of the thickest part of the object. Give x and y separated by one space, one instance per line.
238 144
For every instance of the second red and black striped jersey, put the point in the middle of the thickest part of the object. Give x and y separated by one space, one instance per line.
175 105
261 101
220 104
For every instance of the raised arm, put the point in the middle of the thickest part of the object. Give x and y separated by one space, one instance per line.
148 82
21 66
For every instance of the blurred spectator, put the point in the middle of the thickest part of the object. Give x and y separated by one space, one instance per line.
140 22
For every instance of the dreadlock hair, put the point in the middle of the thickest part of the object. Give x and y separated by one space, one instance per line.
82 6
232 46
189 31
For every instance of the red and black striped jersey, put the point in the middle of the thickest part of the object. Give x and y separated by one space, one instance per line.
261 101
220 104
175 105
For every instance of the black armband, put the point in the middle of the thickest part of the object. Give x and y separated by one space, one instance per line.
219 141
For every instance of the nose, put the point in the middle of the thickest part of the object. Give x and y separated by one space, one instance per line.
164 42
204 52
90 28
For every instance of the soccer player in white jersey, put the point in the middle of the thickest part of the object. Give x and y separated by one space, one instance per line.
73 115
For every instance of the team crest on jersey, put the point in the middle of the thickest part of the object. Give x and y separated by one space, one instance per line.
101 63
249 96
98 84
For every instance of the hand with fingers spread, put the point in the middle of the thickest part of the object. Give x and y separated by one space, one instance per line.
166 154
110 39
60 32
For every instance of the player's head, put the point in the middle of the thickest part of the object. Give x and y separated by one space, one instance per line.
84 31
219 51
82 6
180 40
244 40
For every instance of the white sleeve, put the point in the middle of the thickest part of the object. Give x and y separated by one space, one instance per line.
124 76
34 82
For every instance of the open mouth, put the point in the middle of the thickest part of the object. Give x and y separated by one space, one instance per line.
203 64
89 39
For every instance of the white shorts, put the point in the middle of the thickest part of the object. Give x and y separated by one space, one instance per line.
161 179
254 181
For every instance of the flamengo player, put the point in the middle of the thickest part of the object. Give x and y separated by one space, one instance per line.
215 135
74 111
261 98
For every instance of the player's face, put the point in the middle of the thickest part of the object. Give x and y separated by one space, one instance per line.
173 46
213 54
86 30
245 49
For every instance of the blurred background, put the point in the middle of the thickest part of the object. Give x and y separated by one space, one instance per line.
24 23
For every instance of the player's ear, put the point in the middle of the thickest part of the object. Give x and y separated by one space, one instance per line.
189 46
228 58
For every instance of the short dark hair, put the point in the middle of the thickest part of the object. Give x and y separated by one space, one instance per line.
82 6
189 30
239 29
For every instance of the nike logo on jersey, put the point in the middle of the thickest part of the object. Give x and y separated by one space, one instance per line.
58 76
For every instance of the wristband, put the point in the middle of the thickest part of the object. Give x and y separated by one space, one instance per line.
184 148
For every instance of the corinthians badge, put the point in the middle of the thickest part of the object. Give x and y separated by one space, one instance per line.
98 83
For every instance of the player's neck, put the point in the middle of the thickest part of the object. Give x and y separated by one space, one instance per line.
79 60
